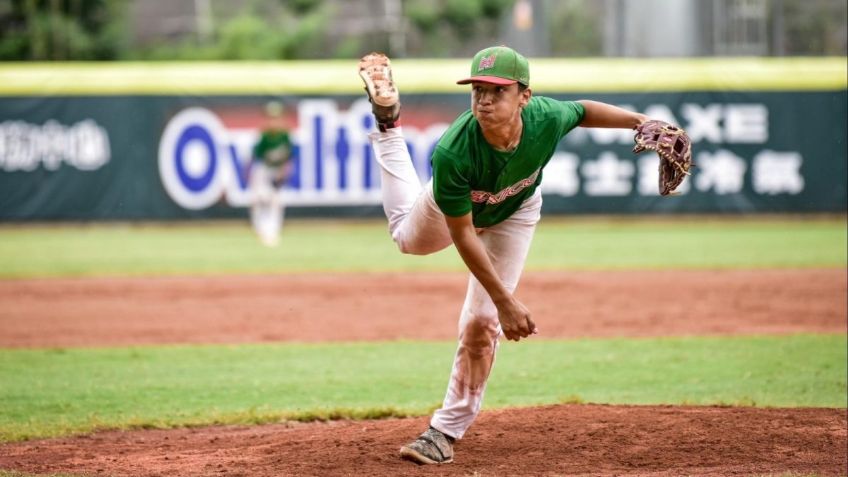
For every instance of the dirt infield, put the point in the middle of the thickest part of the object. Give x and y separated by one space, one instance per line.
555 440
129 311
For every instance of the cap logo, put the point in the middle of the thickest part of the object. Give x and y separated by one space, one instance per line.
486 62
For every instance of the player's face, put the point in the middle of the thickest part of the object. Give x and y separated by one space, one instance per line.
495 105
275 122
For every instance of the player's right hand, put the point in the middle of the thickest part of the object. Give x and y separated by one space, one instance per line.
515 319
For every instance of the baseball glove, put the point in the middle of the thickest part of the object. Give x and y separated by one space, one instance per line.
673 146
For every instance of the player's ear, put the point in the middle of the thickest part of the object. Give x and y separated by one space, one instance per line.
525 94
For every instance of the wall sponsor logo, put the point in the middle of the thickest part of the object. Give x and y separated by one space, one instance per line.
721 171
25 146
201 161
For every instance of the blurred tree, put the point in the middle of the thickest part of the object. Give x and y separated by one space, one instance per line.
424 14
306 35
814 27
287 29
493 9
452 27
260 31
62 29
463 15
301 7
247 37
576 27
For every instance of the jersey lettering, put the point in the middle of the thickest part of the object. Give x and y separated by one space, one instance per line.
482 197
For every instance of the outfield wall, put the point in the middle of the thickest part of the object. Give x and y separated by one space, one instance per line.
171 141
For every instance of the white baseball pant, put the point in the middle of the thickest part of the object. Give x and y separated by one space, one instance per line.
418 227
266 206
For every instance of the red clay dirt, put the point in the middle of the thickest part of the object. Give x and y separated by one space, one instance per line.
555 440
424 306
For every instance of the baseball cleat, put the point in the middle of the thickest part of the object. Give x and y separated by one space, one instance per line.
431 447
375 69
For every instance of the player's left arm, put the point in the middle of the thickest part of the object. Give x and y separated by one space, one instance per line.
670 142
603 115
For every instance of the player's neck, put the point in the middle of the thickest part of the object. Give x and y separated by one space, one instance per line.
505 138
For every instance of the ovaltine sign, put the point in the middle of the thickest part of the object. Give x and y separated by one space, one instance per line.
201 161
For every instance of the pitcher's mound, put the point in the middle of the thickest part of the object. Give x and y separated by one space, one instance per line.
553 440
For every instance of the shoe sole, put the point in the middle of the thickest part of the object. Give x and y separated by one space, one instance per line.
375 69
411 454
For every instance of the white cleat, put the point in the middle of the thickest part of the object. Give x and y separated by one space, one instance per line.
375 69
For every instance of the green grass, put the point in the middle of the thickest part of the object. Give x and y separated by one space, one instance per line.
228 247
53 392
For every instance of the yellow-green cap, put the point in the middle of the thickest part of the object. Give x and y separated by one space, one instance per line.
499 65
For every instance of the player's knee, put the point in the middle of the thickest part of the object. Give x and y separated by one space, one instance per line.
406 249
409 247
480 332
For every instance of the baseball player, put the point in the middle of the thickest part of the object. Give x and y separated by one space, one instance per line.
484 198
268 171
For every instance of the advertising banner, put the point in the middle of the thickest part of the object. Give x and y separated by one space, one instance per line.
152 156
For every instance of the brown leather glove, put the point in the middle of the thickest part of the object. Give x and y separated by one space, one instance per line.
673 146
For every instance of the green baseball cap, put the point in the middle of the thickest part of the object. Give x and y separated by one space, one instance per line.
499 65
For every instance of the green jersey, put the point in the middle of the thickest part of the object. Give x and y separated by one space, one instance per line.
471 176
273 148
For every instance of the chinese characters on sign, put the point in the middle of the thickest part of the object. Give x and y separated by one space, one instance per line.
718 171
25 146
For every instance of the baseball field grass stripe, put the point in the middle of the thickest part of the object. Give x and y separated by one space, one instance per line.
51 392
419 76
574 244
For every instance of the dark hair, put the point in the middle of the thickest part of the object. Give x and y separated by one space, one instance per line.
522 87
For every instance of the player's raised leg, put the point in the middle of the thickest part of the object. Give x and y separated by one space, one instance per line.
415 222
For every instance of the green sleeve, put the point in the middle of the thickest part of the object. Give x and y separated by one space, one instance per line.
451 187
572 115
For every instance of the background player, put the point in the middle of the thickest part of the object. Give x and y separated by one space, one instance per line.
483 198
269 170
